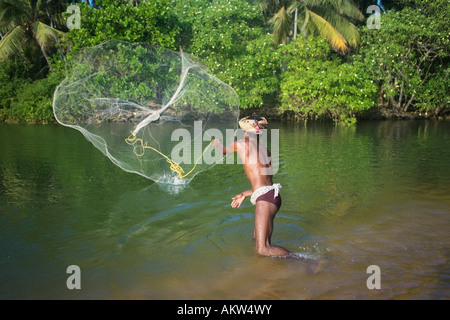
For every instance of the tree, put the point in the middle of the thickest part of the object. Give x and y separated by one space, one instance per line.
146 21
229 37
319 83
408 57
281 23
329 19
24 24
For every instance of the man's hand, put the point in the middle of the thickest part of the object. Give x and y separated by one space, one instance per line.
237 200
218 145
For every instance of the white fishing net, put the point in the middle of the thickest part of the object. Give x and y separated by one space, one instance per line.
152 111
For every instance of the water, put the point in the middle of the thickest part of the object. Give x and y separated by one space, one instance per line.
376 194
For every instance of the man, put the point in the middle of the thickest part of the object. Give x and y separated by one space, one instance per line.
264 194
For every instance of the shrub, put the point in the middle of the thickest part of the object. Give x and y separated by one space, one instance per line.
318 82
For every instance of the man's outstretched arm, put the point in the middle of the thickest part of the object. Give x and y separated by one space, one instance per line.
231 148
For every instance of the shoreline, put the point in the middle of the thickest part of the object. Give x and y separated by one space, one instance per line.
374 114
272 113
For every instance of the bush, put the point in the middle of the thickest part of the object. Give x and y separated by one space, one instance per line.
9 81
254 74
228 35
408 56
149 21
318 83
33 101
13 75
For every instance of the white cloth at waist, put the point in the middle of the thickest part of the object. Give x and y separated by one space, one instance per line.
263 190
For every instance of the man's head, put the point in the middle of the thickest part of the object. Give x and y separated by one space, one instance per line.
253 124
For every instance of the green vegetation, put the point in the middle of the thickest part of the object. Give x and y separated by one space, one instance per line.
409 57
319 83
329 19
303 60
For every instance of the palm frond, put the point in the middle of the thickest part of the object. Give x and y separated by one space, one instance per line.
45 35
12 42
281 23
350 10
263 4
349 32
330 33
347 29
12 14
343 7
38 6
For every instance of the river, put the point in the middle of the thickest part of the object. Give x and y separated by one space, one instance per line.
376 194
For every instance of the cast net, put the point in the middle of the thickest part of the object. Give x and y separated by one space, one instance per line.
150 110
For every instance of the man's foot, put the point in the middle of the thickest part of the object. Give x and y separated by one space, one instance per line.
272 251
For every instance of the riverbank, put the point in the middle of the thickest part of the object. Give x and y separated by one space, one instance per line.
273 113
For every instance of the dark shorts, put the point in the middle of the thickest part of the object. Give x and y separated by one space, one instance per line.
269 198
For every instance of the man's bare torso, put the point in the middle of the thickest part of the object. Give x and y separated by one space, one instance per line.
256 161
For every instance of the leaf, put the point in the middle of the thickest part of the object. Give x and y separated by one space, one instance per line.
12 42
330 33
12 14
281 23
347 29
45 35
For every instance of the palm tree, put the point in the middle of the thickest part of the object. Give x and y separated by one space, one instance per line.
282 24
329 18
22 23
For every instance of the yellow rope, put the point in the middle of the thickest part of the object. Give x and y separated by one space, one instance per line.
175 167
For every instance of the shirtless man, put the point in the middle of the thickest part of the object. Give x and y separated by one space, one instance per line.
264 194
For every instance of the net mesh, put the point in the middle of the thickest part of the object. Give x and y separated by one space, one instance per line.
150 110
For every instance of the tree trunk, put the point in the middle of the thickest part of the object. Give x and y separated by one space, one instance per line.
295 24
408 103
284 63
394 104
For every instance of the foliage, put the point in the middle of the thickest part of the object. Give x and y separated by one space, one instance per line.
150 21
318 82
228 35
138 74
408 57
11 77
22 21
255 75
333 20
221 27
31 101
403 65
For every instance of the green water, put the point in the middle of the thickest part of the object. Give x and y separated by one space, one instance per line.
376 194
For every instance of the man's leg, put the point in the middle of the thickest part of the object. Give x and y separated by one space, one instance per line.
264 215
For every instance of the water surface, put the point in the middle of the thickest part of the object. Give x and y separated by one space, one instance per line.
374 194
